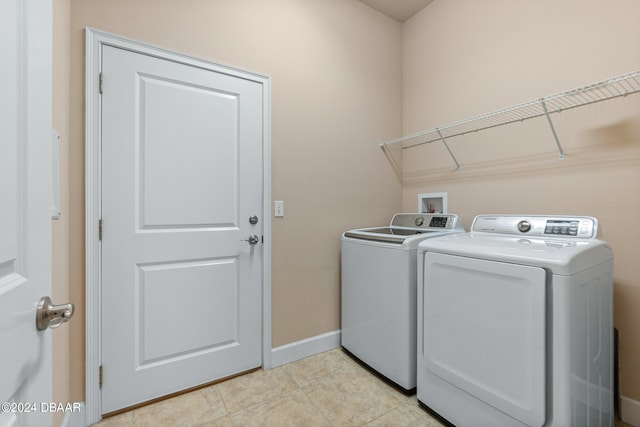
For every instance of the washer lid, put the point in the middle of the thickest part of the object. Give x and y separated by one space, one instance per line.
406 227
390 234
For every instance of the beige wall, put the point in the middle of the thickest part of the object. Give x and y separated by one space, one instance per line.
336 77
465 58
62 375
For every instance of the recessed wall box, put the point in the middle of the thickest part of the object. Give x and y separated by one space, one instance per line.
432 202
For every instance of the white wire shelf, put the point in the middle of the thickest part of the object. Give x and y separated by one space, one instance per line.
600 91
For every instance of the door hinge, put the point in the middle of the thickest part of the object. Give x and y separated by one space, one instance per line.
100 376
100 82
100 229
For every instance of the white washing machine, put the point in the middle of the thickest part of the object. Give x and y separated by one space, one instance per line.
516 323
379 291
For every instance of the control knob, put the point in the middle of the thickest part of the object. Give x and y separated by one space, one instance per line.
524 226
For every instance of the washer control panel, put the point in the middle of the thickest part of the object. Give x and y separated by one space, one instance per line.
425 221
537 225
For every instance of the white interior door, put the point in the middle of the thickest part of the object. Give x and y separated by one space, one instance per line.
181 178
484 331
25 210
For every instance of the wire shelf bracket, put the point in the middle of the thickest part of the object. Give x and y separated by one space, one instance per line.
553 129
615 87
444 141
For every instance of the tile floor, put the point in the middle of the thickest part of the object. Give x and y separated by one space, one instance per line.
328 389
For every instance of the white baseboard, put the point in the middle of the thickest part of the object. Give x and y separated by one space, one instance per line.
75 418
630 411
308 347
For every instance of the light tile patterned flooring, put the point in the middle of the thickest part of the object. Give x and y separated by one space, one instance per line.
328 389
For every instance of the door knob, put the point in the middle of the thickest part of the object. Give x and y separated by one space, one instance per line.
52 316
253 239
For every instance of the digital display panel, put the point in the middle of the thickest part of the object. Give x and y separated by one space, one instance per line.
561 228
438 222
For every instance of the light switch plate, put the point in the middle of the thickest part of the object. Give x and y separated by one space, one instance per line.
278 208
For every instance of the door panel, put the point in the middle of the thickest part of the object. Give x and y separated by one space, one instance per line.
25 209
207 302
182 130
484 331
181 175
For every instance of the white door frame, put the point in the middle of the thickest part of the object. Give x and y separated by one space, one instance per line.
95 40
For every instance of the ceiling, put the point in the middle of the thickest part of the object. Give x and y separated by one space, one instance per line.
400 10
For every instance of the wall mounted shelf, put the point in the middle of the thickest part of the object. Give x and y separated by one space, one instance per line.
600 91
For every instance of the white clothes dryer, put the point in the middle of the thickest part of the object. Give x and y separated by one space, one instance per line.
379 292
516 323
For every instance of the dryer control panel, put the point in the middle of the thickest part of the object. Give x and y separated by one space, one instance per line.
581 227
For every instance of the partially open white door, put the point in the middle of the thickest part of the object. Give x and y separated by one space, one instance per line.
25 210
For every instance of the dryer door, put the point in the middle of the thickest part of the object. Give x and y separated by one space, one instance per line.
484 331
